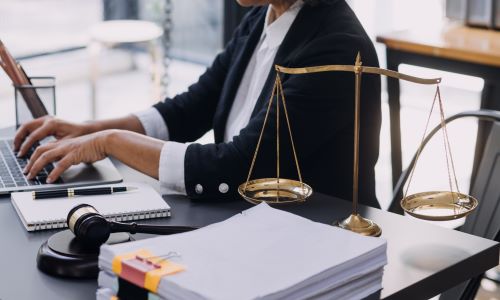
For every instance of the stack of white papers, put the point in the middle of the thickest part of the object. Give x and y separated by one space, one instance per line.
262 253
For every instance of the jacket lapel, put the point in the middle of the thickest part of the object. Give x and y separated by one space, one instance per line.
302 30
244 48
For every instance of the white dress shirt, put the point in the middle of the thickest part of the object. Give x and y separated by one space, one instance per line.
171 166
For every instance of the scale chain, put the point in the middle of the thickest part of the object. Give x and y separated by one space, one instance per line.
280 95
447 139
447 147
261 134
420 148
277 139
280 87
447 150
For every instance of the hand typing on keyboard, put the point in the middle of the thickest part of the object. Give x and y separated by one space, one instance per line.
84 143
30 133
88 149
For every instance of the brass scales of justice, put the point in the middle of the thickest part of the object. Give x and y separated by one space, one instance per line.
430 205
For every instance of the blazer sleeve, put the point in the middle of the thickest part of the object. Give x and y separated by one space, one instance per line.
319 106
199 102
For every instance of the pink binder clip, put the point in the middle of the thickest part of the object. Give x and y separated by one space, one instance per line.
134 270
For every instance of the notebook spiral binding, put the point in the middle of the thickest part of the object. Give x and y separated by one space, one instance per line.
119 217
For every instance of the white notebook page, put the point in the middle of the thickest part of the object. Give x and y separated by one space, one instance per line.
143 203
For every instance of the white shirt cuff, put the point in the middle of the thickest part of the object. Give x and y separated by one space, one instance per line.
153 123
171 172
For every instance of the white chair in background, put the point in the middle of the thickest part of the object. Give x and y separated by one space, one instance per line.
109 34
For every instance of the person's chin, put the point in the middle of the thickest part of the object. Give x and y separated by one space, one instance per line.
248 3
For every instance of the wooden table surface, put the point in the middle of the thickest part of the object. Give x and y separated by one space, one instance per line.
450 40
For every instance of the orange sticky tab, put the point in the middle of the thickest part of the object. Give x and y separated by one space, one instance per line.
116 265
153 277
114 298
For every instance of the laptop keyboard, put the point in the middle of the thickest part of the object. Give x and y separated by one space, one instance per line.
11 166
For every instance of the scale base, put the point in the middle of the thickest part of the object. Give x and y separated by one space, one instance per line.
358 224
62 255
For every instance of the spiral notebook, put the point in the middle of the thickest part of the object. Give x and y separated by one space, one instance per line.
41 214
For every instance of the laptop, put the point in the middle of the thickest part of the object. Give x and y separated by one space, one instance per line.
12 178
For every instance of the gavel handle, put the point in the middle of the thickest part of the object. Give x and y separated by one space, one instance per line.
152 229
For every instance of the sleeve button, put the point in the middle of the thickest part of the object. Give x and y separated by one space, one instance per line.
198 189
223 188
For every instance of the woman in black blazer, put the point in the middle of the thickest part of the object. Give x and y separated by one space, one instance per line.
320 107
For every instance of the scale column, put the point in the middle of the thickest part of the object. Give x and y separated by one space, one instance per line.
355 222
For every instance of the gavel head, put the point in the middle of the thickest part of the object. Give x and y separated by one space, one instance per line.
88 225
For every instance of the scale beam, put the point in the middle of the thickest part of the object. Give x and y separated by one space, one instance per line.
351 68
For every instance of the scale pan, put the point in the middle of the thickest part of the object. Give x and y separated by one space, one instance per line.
266 190
439 205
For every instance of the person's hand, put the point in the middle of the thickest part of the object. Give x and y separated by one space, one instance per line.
35 130
67 152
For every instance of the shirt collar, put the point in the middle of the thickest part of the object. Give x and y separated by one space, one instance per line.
275 33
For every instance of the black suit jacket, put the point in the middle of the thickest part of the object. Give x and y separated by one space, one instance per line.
320 106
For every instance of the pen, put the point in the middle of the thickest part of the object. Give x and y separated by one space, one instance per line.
10 64
81 192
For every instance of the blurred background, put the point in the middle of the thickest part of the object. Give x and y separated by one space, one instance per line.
51 37
66 39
